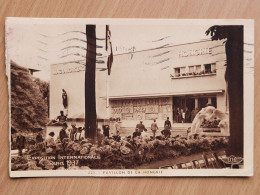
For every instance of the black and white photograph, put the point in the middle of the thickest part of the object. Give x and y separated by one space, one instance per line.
130 97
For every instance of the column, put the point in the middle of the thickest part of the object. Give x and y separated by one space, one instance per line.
209 100
196 103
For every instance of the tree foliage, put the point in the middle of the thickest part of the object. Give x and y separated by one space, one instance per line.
234 45
90 83
29 108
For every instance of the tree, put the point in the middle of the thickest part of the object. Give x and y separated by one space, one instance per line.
44 88
90 79
234 78
28 106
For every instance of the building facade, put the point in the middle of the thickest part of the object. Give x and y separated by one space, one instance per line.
146 85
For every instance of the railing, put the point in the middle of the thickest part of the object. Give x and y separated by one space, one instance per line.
193 74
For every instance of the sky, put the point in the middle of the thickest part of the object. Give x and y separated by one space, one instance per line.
38 43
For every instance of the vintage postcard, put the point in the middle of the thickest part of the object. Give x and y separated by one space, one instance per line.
130 97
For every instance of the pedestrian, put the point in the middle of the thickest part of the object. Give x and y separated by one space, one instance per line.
182 116
154 128
63 133
178 115
105 130
20 143
166 132
140 126
50 143
168 123
136 133
79 135
72 131
187 115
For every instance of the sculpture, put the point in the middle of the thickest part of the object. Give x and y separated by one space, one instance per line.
64 98
210 113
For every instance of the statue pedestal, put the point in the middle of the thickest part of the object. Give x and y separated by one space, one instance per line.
210 129
211 132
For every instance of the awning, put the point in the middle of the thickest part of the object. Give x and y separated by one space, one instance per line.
167 94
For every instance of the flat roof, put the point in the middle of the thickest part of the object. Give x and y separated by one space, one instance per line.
166 94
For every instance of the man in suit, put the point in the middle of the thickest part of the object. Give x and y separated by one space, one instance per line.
63 133
20 143
168 123
140 126
154 128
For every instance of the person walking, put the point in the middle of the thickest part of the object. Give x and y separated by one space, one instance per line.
154 128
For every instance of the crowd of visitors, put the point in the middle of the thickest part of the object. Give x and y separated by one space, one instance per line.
140 129
184 115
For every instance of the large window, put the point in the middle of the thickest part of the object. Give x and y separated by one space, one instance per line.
197 68
210 68
177 71
191 69
207 68
213 67
183 70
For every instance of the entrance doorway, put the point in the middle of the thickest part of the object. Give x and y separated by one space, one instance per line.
182 107
185 108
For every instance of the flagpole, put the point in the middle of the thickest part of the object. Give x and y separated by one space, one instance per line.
109 65
107 94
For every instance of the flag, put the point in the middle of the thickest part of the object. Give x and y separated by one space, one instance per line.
109 50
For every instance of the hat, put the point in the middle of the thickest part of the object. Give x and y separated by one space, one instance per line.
64 125
51 134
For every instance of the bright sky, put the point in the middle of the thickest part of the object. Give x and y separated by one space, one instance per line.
38 43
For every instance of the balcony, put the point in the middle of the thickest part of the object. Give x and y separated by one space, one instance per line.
193 74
